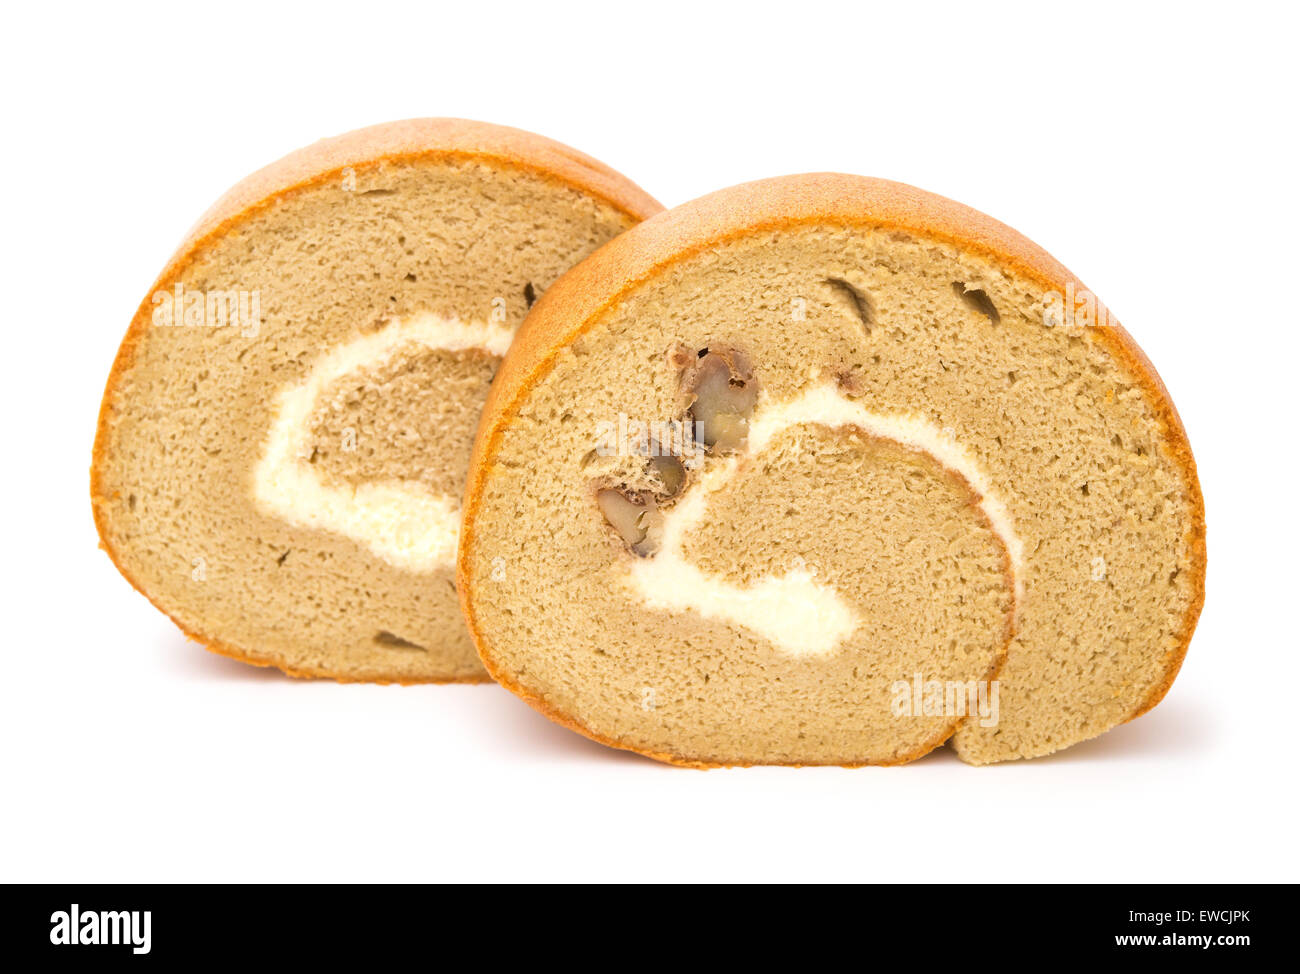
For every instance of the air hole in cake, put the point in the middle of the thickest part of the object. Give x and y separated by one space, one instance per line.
390 641
378 192
977 300
856 300
530 294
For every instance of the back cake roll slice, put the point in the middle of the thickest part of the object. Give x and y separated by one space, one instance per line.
284 437
829 470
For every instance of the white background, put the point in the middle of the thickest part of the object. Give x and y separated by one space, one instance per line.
1151 148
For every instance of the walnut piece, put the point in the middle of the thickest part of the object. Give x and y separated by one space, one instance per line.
637 520
722 396
670 472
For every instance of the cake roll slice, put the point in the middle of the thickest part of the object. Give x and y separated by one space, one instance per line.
284 437
829 470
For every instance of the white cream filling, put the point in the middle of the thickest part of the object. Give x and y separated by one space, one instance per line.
826 406
796 613
402 522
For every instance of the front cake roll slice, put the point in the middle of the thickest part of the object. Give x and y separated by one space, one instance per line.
284 436
888 395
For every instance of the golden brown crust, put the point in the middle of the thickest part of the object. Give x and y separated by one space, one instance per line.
578 299
410 140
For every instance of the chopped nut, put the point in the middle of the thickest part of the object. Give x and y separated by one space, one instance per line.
723 394
638 522
679 356
671 474
851 383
